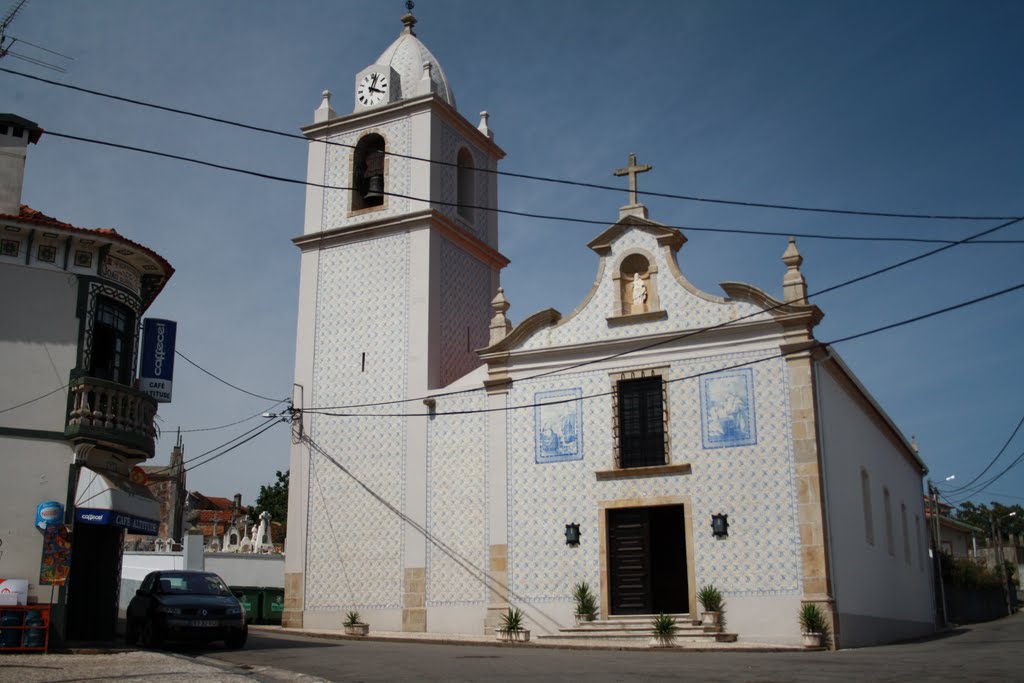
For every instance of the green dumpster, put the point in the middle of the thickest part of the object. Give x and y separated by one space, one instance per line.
271 605
251 601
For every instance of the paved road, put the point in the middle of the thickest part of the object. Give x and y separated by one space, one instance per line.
985 652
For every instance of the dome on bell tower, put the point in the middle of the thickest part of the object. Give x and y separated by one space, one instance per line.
414 63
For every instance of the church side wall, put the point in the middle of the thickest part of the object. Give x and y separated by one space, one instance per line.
355 546
881 595
465 311
757 568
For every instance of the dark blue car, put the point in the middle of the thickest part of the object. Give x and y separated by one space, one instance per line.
185 605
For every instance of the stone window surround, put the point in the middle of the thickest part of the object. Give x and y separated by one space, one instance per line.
890 542
865 493
619 280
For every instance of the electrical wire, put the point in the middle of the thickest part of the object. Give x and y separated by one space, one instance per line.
954 490
37 398
232 424
692 333
186 461
224 381
524 176
509 212
266 427
782 354
965 495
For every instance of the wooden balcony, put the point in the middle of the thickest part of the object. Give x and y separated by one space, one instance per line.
112 416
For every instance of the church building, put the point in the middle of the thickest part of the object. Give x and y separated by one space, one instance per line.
448 464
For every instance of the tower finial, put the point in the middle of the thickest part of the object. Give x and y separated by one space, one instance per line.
794 286
408 19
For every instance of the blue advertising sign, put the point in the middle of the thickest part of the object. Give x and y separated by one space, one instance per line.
156 371
135 525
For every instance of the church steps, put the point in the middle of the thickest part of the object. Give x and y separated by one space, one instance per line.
633 629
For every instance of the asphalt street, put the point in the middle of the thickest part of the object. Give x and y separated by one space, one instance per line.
983 652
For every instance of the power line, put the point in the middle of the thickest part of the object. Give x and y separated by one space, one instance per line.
232 424
215 448
265 428
224 381
781 354
982 487
511 212
37 398
523 176
953 491
703 330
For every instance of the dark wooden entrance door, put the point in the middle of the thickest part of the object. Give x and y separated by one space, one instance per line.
647 560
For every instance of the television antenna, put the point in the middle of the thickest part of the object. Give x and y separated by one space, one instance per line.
7 41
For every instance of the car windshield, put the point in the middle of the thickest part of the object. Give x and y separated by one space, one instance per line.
192 584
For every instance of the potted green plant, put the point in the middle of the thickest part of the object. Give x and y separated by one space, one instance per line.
813 625
354 627
586 603
710 599
512 627
664 627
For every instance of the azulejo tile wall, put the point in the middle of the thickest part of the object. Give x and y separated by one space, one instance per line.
457 503
451 142
354 552
465 311
753 484
338 174
686 311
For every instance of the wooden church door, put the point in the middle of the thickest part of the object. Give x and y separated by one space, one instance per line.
647 571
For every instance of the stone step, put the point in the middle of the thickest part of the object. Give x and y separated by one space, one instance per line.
623 628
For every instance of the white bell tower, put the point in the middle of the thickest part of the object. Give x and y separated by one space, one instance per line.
399 264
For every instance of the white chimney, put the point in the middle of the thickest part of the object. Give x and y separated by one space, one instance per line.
15 135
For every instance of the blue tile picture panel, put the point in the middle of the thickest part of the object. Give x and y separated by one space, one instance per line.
727 409
558 425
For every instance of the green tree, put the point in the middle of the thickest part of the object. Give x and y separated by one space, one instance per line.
981 515
273 499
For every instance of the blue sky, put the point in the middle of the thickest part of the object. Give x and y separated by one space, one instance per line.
896 107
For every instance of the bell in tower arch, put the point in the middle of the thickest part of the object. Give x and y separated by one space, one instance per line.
374 177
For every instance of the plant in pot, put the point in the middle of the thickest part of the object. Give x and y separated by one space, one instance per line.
586 603
512 627
710 599
354 627
813 625
664 627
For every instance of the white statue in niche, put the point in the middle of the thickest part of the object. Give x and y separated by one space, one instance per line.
639 291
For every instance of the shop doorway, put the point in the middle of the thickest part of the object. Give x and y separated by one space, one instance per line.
94 583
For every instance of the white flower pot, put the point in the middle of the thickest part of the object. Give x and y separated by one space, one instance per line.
357 629
521 636
813 639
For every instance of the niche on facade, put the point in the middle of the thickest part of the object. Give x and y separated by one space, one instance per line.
636 282
465 185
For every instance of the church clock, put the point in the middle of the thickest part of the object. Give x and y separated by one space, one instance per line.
371 89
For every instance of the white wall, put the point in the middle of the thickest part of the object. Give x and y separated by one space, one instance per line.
38 342
237 569
879 596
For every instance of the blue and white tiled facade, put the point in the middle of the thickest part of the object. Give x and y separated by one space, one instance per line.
354 553
465 311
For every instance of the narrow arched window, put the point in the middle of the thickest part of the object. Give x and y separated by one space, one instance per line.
368 173
906 532
466 184
865 495
889 543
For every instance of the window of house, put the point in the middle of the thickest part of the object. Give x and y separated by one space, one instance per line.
368 173
113 338
920 546
889 543
465 185
865 495
641 422
906 533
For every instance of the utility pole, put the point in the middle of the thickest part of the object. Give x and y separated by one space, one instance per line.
1000 565
933 495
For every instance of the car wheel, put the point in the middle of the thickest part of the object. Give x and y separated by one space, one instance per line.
151 636
237 640
131 632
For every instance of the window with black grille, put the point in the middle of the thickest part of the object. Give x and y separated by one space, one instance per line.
641 422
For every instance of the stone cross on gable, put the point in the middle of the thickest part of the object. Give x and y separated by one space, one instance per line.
632 170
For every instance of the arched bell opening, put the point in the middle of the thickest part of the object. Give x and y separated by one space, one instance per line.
369 172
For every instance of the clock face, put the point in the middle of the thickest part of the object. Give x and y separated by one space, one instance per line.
372 89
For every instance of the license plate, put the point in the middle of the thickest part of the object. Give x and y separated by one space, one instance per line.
204 623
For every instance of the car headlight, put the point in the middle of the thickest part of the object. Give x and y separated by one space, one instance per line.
234 611
163 609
